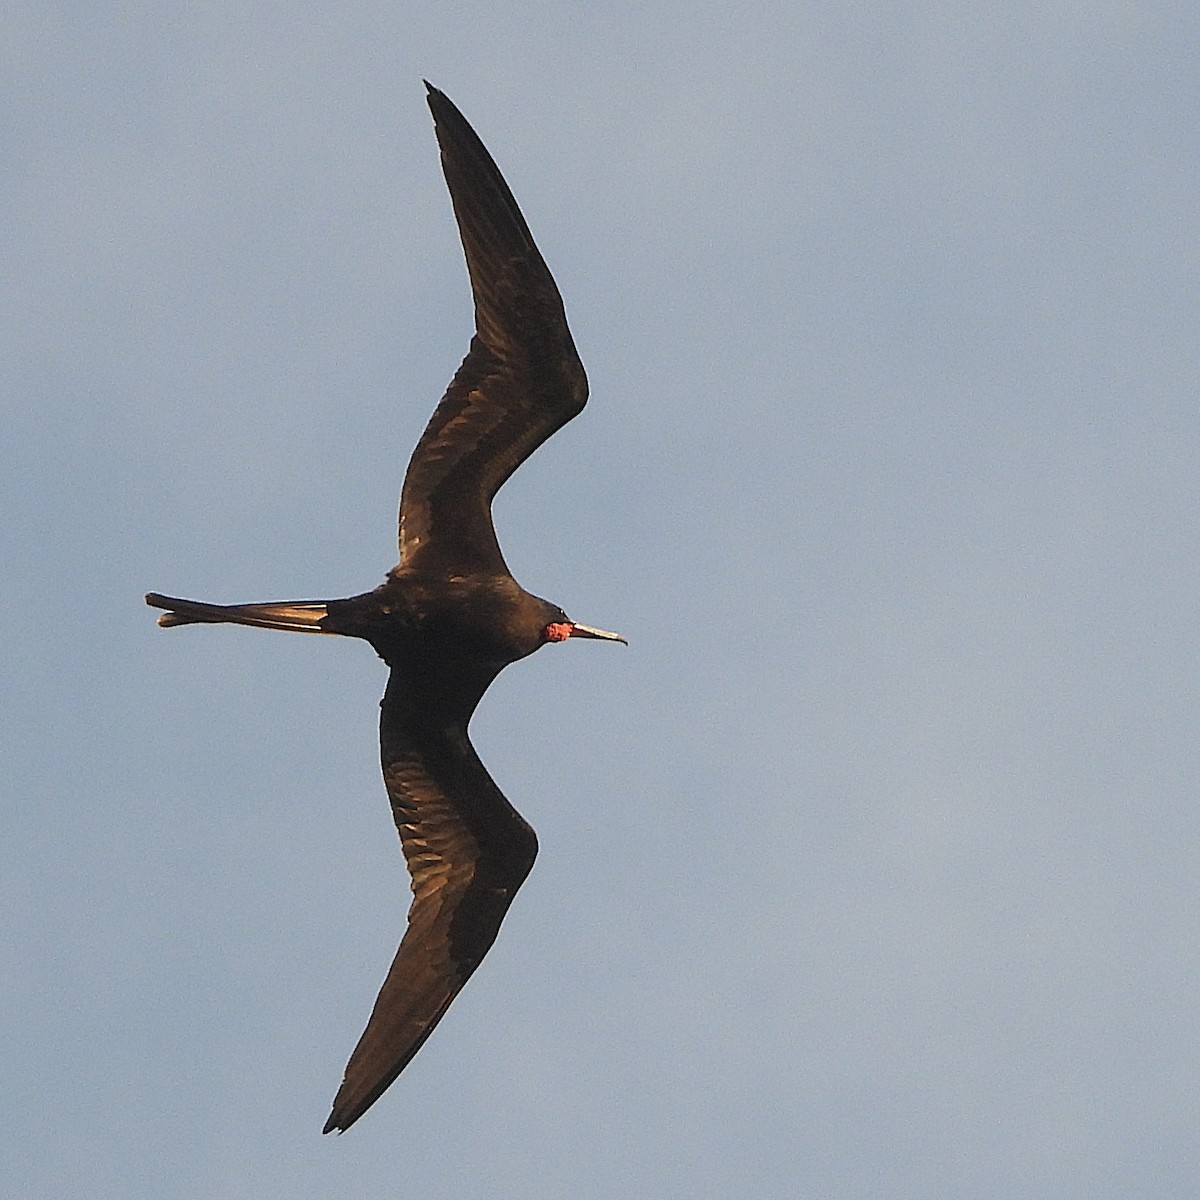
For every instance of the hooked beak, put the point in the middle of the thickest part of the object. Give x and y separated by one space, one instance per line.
586 631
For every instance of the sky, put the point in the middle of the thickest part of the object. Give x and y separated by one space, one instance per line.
869 869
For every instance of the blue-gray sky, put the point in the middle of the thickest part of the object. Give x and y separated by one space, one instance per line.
871 868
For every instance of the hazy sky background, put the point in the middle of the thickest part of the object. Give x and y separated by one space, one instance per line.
872 867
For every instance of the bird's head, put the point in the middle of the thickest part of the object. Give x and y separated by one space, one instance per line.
558 627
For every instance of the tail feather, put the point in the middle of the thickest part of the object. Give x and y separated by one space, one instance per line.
298 616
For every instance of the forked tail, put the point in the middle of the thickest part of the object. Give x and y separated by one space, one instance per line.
299 616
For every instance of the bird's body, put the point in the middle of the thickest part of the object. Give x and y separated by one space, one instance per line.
450 617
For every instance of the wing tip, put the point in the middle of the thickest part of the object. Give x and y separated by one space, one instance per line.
349 1105
440 104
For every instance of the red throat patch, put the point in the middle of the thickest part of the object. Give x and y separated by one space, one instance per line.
558 632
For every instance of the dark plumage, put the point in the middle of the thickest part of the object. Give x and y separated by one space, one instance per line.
450 617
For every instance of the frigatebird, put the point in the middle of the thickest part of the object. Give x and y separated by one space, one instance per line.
450 617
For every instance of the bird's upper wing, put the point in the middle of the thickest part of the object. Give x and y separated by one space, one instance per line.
521 381
468 852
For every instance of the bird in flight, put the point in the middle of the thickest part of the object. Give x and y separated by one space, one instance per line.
450 617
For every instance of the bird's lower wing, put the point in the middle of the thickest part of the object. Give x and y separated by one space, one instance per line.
468 852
